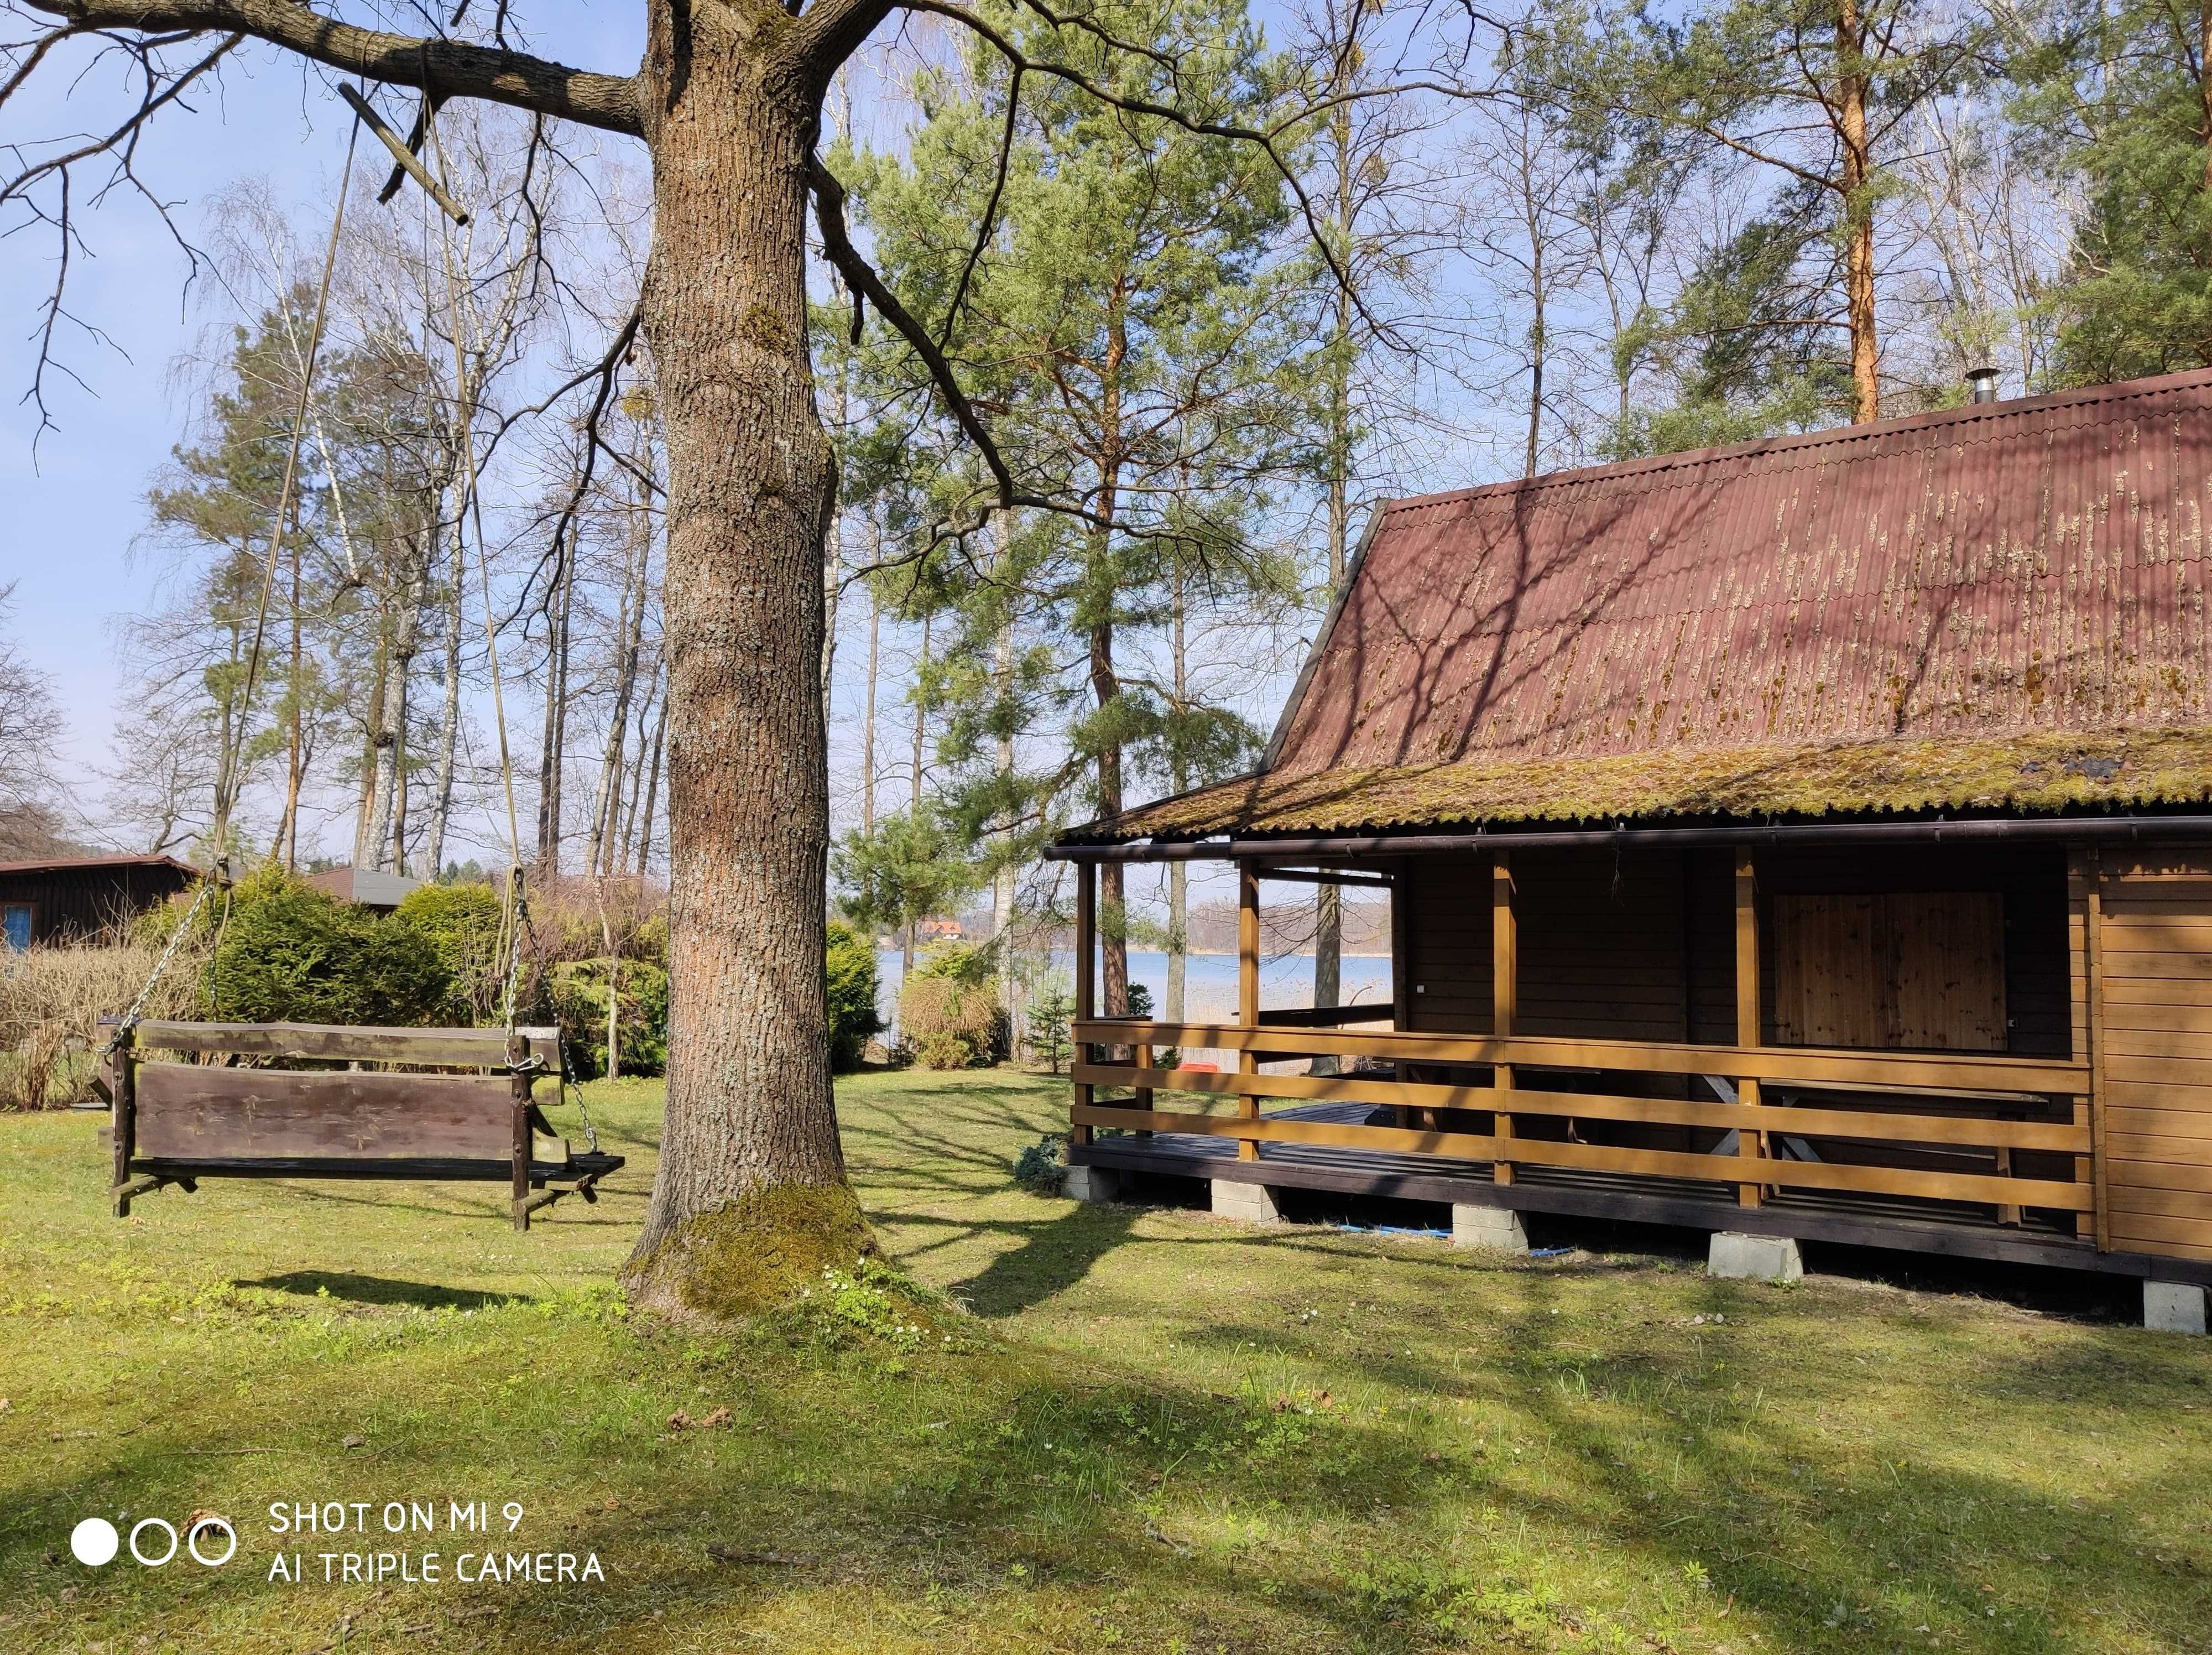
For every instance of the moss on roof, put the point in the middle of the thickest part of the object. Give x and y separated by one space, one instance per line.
2029 772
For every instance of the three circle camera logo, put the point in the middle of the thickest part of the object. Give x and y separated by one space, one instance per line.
154 1541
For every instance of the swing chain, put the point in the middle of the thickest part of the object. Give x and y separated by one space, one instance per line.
129 1020
521 928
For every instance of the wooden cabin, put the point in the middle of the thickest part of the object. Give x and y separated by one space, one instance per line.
76 898
1810 838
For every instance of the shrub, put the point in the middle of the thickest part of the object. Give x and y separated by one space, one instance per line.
462 922
968 964
944 1051
853 989
952 1024
52 1001
289 952
580 999
1038 1168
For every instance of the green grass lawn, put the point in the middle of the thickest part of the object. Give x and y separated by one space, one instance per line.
1158 1431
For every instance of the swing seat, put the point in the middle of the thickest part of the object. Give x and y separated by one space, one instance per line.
178 1122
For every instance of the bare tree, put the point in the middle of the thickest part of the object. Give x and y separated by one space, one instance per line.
1525 235
30 735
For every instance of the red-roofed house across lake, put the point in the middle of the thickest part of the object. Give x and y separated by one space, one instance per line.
1806 839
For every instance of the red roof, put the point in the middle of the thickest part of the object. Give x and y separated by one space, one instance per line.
2033 569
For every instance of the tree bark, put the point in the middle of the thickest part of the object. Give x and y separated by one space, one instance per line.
388 821
1105 681
287 831
750 1200
1002 877
551 765
1858 208
914 796
1178 781
2204 84
449 724
365 806
652 793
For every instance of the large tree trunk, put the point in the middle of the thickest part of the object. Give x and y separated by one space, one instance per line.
751 1200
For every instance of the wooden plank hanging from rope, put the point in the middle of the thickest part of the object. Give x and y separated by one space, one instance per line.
400 153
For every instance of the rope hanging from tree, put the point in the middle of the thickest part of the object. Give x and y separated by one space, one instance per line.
226 789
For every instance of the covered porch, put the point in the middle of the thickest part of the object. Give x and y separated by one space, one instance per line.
1878 1034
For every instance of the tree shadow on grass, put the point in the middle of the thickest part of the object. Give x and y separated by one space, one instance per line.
379 1290
1052 1256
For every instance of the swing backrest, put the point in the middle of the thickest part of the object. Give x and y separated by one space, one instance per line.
194 1112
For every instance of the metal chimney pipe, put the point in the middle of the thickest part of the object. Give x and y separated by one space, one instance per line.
1982 383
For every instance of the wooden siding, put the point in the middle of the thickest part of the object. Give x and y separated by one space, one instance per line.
72 904
1608 943
2156 1024
1867 969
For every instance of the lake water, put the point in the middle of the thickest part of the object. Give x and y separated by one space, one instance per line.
1209 981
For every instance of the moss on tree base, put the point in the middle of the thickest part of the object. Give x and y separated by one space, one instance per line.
754 1254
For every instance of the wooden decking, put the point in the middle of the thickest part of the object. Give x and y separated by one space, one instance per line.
1953 1229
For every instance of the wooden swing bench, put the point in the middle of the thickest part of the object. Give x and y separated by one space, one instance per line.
178 1122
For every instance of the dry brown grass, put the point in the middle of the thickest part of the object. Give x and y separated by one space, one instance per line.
52 1001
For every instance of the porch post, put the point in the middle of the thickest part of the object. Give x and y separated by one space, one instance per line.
1087 974
1750 1142
2087 866
1248 994
1504 992
2077 981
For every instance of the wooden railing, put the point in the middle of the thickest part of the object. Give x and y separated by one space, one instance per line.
1977 1085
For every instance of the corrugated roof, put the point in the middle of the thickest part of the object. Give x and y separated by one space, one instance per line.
1924 612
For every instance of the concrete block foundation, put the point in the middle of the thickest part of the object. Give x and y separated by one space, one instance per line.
1090 1183
1498 1228
1253 1203
2174 1307
1738 1257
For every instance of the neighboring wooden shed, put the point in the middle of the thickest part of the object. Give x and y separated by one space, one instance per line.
1812 837
71 899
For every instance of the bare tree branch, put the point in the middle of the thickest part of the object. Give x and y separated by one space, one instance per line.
443 68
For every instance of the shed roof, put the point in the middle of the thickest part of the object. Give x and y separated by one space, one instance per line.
2003 606
364 887
93 864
